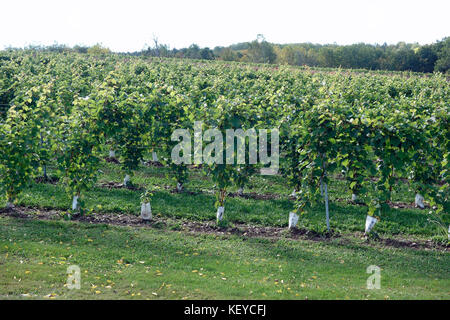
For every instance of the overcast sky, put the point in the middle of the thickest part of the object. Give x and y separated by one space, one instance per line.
129 25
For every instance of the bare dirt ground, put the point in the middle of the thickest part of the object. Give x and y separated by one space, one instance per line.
241 230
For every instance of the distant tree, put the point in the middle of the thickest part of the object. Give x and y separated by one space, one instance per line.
80 49
427 58
193 52
158 49
156 46
206 54
286 55
227 54
327 57
261 51
443 56
98 50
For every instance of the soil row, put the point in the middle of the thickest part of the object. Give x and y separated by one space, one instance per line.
241 230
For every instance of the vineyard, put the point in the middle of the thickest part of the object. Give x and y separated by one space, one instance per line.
89 136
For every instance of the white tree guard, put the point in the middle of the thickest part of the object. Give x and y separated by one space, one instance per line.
179 187
293 219
126 180
146 211
354 197
220 213
154 156
240 191
112 154
370 222
75 203
419 201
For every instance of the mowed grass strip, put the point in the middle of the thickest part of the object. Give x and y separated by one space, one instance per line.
344 217
140 263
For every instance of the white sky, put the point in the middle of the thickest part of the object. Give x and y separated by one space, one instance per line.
129 25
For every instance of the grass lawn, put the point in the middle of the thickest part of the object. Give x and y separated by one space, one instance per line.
171 263
146 263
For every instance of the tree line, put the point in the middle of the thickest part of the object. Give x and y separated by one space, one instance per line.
399 57
395 57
